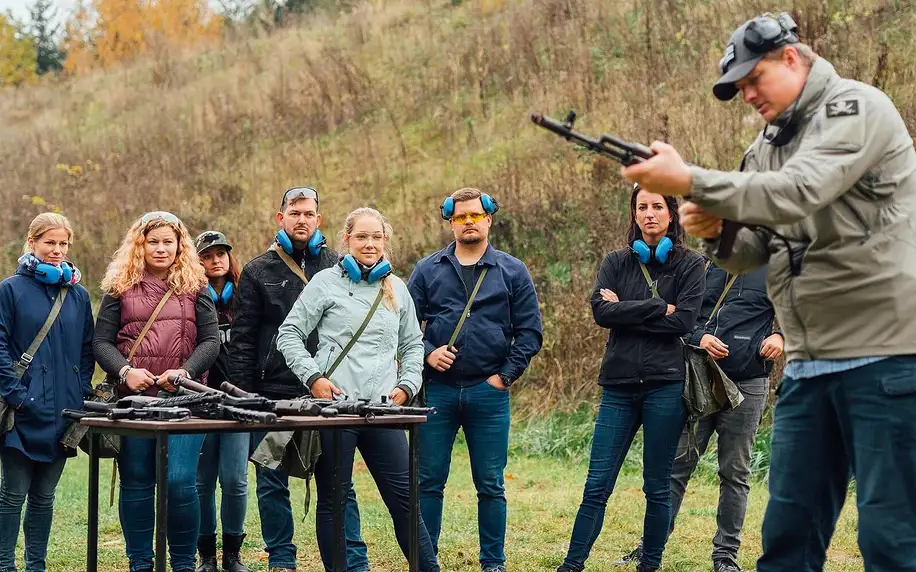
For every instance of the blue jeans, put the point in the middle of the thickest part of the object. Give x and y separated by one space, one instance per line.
137 465
276 514
854 423
224 455
24 478
385 453
659 408
482 411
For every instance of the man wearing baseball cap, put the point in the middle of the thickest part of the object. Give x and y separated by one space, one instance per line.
830 189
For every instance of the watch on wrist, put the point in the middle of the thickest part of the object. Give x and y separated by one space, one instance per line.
507 381
123 376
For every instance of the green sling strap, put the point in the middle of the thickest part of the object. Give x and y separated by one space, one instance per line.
467 308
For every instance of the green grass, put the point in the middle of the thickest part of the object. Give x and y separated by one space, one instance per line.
543 492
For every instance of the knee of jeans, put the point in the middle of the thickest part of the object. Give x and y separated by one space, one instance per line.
657 489
41 500
12 499
735 472
235 484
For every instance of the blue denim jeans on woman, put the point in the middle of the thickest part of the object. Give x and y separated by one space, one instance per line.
224 455
385 453
277 526
137 465
23 478
482 411
659 409
858 423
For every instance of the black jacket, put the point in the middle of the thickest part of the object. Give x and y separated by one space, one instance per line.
644 344
744 319
266 292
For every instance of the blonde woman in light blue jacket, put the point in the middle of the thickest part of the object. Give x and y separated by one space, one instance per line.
335 303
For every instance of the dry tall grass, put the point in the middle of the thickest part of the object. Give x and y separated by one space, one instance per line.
399 102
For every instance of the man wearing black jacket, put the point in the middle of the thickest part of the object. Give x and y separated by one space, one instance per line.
739 335
268 287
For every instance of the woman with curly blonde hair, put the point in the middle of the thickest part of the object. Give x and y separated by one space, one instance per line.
155 279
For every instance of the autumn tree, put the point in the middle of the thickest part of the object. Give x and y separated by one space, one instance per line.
17 54
78 41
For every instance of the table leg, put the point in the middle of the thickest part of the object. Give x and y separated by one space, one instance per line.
414 468
92 540
339 557
162 500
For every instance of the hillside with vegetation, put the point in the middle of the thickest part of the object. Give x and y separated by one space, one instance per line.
394 104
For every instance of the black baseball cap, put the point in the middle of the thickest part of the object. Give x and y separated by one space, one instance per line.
209 239
748 45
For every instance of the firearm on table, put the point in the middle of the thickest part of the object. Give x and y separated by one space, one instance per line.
331 407
627 154
218 405
114 412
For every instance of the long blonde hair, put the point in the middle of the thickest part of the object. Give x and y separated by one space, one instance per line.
42 224
128 264
387 284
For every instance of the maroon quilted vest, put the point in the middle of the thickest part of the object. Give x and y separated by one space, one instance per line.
172 337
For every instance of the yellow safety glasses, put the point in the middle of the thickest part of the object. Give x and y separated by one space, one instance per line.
464 218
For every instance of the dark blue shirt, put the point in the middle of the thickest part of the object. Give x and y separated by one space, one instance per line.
503 329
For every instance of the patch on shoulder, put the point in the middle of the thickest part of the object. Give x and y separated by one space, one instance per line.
844 108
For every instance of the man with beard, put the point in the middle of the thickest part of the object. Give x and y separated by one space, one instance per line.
267 289
483 326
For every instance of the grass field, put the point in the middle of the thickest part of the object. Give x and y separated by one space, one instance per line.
543 498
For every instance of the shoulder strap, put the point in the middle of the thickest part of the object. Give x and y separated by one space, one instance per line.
22 365
290 262
467 307
715 308
149 324
357 333
645 272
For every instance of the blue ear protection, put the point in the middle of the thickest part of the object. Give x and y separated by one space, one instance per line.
357 271
316 242
662 250
50 274
447 208
224 296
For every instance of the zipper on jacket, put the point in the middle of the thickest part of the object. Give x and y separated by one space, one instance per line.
270 353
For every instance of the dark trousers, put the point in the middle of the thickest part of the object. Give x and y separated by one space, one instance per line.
659 409
737 431
386 455
860 423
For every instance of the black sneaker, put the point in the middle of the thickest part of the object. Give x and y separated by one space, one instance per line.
725 566
633 557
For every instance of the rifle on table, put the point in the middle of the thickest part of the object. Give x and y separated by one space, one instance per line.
214 404
627 154
370 410
114 412
302 406
331 407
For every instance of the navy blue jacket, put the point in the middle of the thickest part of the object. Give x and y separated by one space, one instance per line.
60 374
503 330
744 320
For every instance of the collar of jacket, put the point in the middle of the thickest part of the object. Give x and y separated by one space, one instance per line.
821 77
488 258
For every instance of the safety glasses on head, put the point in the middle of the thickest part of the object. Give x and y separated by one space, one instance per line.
160 215
296 193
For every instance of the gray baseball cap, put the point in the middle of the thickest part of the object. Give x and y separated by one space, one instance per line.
209 239
748 45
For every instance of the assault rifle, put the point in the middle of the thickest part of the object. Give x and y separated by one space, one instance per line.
112 411
214 404
627 154
303 406
331 407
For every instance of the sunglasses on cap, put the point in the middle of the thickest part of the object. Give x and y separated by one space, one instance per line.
160 215
297 193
